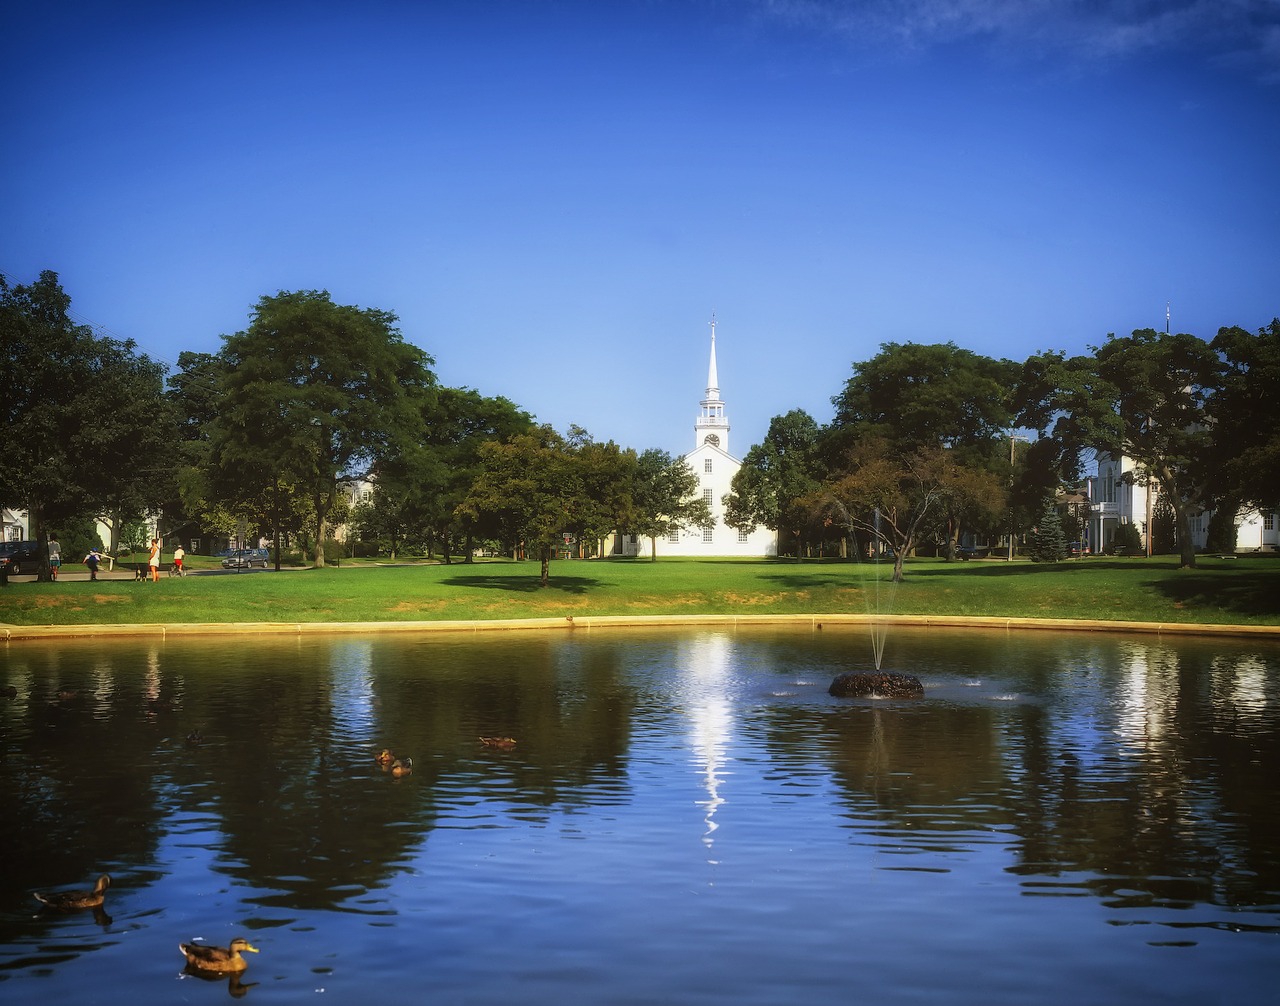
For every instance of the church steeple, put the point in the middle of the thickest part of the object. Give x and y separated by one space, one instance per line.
712 427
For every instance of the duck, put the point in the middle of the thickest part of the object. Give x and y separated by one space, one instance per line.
401 766
502 743
384 757
70 901
195 739
225 959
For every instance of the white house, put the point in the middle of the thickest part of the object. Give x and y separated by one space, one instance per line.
1116 500
1118 494
715 467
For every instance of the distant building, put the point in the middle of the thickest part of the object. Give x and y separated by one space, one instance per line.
715 467
1119 494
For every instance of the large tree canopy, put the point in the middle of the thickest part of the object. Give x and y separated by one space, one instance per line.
86 424
777 476
915 396
314 393
1245 460
916 448
664 497
1141 397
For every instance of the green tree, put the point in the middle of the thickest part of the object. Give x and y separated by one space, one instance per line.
922 396
539 486
314 393
86 425
1244 461
930 420
1164 529
194 395
1222 535
1047 541
890 496
777 478
664 498
458 423
1141 397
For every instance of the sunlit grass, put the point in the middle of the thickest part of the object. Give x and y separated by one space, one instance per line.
1241 591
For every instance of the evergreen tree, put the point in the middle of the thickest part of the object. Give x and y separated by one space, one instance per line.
1222 530
1164 529
1047 541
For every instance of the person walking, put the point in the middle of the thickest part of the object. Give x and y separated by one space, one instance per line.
179 554
153 560
55 556
91 560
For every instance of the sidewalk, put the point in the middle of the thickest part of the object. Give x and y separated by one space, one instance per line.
119 573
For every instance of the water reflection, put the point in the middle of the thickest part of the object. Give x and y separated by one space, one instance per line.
1039 772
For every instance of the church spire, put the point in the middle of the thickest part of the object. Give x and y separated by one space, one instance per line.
712 426
713 380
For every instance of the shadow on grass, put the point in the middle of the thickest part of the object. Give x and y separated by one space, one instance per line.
1032 568
1251 593
525 584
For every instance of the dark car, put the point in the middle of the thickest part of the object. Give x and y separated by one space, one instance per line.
244 558
19 557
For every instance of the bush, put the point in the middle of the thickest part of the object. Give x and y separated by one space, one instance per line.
76 537
1126 537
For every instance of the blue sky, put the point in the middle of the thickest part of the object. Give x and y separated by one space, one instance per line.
555 196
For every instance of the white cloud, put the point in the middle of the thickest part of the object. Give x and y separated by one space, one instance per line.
1244 32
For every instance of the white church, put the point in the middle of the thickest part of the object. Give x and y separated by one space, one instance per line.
715 467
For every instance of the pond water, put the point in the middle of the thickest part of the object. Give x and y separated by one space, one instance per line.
686 817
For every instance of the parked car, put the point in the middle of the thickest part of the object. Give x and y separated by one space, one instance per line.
244 558
18 557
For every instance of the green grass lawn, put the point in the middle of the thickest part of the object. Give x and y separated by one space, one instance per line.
1231 591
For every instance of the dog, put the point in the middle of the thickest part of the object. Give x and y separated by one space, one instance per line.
139 572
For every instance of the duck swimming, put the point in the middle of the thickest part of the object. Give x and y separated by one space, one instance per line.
384 757
401 766
502 743
218 958
70 901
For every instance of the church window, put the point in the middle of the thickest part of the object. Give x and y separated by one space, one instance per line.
706 465
707 495
742 536
706 534
674 536
1269 521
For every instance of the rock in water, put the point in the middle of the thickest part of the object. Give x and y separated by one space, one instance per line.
884 686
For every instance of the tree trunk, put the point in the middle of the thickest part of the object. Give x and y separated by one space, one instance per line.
1186 545
653 548
546 566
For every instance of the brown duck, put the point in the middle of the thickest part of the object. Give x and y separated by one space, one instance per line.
401 766
384 757
226 959
502 743
70 901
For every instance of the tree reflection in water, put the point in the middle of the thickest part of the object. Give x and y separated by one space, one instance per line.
1138 775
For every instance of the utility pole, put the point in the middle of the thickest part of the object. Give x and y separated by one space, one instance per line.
1013 438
